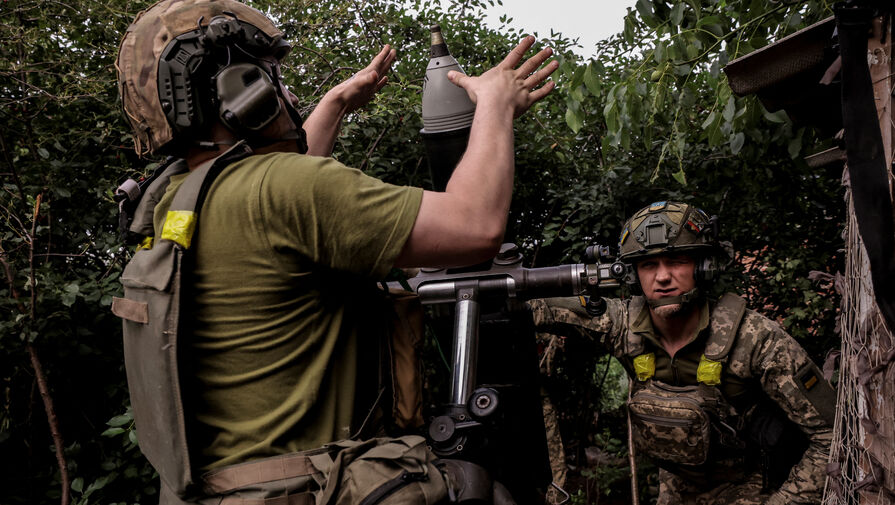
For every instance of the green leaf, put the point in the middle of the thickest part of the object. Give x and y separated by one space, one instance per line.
708 20
577 94
575 119
628 32
120 420
659 53
610 115
795 147
776 117
577 77
625 138
715 29
709 121
730 109
591 80
99 484
43 153
736 142
645 8
70 294
111 432
567 69
661 92
77 485
677 13
716 136
132 436
680 177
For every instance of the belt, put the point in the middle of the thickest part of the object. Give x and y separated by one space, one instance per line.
292 499
233 477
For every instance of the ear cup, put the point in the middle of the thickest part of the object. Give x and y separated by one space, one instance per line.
248 97
706 270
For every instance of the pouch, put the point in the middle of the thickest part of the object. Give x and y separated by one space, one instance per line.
393 471
404 347
150 311
672 423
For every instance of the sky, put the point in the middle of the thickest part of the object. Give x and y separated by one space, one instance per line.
590 20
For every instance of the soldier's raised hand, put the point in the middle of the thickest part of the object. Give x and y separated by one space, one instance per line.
508 86
360 88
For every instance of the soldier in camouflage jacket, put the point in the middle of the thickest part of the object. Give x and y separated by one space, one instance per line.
728 404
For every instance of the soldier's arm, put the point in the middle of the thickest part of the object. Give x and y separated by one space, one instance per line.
569 318
324 123
790 378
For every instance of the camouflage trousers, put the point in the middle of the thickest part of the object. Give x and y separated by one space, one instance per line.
673 490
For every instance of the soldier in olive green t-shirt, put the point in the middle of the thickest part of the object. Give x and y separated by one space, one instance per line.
283 252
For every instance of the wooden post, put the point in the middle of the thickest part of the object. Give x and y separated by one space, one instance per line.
879 457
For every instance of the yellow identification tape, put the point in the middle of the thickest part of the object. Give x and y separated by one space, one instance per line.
709 372
645 366
146 243
179 227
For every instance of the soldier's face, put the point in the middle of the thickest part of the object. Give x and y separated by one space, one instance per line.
666 276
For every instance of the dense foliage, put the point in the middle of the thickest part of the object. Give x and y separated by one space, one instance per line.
649 117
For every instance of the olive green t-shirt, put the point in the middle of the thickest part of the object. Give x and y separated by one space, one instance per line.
285 247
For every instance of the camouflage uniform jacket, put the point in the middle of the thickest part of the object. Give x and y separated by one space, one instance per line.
763 361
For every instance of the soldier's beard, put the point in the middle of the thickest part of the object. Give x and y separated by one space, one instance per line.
670 311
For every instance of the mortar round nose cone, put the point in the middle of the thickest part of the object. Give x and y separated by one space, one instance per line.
435 28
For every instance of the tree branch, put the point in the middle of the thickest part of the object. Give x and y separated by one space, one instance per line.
363 166
367 28
53 422
36 364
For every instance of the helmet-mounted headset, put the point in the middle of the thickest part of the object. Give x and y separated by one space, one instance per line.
664 228
223 66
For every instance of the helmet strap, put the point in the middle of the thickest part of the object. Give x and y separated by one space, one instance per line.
298 135
684 300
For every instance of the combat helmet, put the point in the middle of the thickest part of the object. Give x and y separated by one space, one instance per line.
185 64
669 228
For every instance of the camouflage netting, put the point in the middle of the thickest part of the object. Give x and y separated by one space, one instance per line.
862 468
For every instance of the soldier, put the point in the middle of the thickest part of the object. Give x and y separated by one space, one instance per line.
278 268
731 408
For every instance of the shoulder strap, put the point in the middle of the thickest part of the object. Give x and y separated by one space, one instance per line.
180 222
724 323
137 211
191 194
633 341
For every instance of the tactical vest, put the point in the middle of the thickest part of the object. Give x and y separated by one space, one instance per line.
150 310
400 470
685 425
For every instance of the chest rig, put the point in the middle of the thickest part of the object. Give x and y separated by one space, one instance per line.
685 424
150 310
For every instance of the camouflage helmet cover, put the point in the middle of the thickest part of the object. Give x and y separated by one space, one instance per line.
666 227
140 50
